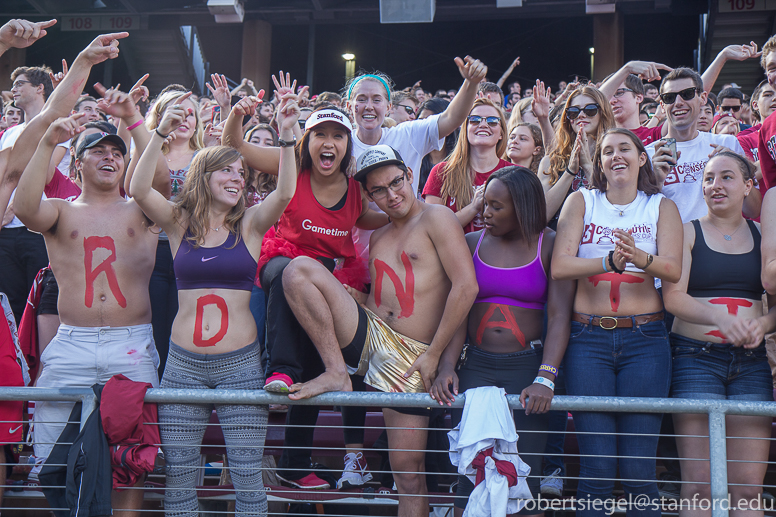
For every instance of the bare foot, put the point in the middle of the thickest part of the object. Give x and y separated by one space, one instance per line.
324 383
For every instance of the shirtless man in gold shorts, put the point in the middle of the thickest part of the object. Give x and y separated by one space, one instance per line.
423 285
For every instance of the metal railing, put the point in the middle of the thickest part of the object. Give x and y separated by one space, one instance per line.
716 410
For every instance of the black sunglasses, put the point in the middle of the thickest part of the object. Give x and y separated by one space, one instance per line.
591 110
476 119
734 109
408 109
686 94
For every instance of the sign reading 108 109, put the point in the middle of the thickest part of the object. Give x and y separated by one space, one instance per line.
100 23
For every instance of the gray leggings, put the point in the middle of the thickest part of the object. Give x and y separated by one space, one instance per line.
182 427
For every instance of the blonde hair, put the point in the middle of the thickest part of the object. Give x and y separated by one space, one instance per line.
770 46
565 136
457 175
536 134
516 117
195 196
196 142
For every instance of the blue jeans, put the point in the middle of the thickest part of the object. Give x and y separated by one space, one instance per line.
704 370
625 362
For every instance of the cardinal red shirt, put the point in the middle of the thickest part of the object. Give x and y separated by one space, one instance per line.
310 229
648 134
766 150
434 188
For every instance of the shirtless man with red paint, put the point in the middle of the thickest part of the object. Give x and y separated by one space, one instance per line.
102 250
423 287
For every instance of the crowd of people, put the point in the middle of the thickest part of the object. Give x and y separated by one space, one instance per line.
597 239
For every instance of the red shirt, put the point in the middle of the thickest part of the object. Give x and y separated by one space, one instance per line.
310 229
648 134
434 188
62 187
749 139
766 150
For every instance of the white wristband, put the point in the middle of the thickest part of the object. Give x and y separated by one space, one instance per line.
544 381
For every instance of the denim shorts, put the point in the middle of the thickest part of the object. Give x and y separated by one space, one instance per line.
719 371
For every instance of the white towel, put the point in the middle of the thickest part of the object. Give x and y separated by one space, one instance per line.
487 422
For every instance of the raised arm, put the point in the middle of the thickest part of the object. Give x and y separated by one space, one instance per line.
61 101
40 215
447 236
269 211
729 53
265 159
22 33
155 205
646 70
473 71
508 72
221 94
540 104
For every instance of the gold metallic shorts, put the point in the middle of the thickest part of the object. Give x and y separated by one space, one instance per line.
386 355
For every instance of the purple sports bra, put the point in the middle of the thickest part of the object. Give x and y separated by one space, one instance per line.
215 268
524 286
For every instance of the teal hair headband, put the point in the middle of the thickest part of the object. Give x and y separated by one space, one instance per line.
371 76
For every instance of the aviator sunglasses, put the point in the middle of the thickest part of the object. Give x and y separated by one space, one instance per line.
590 111
686 94
476 119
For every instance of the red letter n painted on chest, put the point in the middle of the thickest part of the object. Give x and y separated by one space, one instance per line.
405 294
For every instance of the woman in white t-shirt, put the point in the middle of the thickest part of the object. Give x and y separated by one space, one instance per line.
368 99
614 239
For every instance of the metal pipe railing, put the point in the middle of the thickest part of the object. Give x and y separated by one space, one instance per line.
717 410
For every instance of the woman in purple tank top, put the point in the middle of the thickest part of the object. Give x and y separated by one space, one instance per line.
215 241
511 259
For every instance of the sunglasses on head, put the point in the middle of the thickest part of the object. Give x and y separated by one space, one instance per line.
408 109
686 94
734 109
476 119
590 111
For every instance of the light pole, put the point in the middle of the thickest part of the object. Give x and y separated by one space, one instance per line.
592 63
350 65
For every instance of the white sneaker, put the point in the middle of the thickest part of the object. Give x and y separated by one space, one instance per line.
355 473
552 485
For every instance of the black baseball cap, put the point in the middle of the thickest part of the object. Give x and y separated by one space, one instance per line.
94 139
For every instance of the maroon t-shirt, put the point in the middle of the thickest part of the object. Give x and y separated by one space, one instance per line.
648 134
434 188
61 187
749 139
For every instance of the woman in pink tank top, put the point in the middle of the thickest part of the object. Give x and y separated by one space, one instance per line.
512 262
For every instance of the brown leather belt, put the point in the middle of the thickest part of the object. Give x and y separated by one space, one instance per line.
611 322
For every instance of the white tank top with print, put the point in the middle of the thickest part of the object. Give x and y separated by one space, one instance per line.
602 218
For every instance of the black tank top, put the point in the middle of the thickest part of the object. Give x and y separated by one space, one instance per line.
722 274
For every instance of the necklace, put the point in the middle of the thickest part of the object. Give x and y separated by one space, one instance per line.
220 225
622 208
727 237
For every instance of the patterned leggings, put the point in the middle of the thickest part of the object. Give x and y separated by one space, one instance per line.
182 427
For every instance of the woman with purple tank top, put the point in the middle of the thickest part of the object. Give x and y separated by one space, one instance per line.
512 262
215 241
